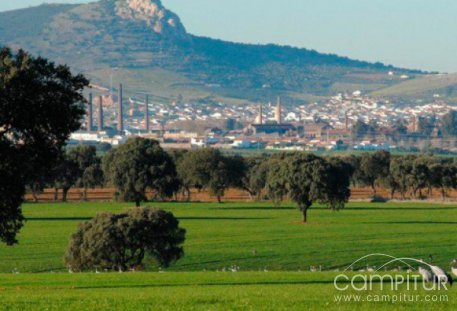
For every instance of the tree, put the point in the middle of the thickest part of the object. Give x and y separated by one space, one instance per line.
399 174
78 167
353 163
336 192
228 173
121 241
373 168
425 126
276 182
208 168
90 173
305 180
443 176
40 105
196 166
255 178
92 177
138 165
449 124
360 129
65 175
420 175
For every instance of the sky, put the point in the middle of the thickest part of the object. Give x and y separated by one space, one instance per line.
416 34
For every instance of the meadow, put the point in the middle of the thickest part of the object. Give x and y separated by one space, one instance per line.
272 248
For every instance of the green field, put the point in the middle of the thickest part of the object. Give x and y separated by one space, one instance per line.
272 248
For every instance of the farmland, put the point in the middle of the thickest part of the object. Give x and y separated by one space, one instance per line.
273 250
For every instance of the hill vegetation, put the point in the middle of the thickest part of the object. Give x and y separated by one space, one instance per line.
138 37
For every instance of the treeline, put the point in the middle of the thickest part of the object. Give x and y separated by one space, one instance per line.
141 166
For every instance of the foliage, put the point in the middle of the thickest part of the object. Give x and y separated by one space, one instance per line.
373 168
254 179
276 182
40 105
138 165
240 69
307 179
208 168
449 124
121 241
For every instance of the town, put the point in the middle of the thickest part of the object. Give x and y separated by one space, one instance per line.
343 122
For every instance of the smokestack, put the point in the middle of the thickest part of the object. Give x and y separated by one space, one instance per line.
147 115
278 111
100 114
120 112
260 117
90 121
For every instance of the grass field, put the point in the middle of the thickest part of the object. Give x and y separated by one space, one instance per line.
192 291
272 248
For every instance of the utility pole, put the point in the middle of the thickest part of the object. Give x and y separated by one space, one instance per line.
148 128
120 112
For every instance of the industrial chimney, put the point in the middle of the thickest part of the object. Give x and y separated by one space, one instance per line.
100 114
90 121
278 113
260 116
120 112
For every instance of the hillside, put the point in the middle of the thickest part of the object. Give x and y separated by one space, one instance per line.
424 87
152 52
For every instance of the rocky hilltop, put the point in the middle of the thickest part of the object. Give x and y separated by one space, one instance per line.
152 52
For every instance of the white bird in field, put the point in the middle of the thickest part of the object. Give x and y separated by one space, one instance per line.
453 269
440 276
427 276
96 270
70 270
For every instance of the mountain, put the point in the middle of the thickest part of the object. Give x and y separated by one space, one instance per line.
145 46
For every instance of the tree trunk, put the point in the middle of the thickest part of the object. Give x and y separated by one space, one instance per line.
64 194
188 194
373 187
56 194
305 214
34 194
443 194
219 199
137 202
85 194
392 193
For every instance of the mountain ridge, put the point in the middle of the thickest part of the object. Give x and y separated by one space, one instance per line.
142 35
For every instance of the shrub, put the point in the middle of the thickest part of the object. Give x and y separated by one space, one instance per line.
121 241
378 199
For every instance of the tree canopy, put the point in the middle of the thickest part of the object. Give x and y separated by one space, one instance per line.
121 241
40 105
138 165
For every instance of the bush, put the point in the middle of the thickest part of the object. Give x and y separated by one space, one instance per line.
121 241
378 199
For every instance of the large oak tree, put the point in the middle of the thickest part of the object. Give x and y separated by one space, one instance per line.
40 105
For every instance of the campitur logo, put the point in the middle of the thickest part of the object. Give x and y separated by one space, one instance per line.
426 277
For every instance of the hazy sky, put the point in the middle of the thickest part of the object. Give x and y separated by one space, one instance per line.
409 33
